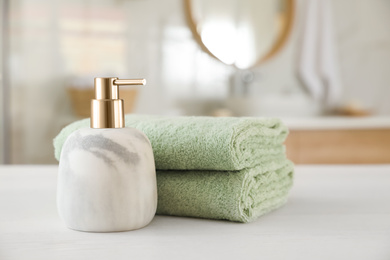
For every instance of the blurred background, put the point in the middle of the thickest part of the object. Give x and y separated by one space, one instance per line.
323 66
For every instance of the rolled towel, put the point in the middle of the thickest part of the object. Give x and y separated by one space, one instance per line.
203 143
240 196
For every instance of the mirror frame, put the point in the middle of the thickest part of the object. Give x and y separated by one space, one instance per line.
279 43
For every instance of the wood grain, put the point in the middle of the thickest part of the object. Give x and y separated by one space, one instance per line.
339 146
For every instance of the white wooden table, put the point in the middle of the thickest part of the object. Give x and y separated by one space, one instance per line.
334 212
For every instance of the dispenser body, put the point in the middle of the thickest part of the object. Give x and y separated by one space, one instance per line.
107 180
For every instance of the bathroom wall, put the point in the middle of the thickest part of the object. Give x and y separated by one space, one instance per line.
362 47
2 117
54 43
57 43
363 37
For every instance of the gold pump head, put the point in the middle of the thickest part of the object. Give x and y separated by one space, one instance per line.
107 108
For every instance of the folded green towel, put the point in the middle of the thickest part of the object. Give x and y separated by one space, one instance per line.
203 143
239 196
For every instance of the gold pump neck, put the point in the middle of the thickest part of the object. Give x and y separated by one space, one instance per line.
107 108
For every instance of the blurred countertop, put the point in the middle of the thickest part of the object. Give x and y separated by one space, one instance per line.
337 123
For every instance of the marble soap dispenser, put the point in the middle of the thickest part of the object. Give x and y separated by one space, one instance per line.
107 176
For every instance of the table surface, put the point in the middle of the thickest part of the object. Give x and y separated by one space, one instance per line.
333 212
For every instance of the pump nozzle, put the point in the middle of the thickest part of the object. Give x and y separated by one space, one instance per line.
107 108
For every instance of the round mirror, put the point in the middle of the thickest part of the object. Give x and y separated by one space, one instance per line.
243 33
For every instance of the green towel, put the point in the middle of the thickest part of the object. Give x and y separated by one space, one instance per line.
240 196
203 143
218 168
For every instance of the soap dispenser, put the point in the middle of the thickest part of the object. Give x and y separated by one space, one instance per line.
107 176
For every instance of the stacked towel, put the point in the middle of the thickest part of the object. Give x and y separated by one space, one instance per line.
219 168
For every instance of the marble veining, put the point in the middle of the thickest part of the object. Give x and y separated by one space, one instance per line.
107 180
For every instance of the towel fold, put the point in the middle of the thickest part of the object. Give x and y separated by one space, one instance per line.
219 168
240 196
203 143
